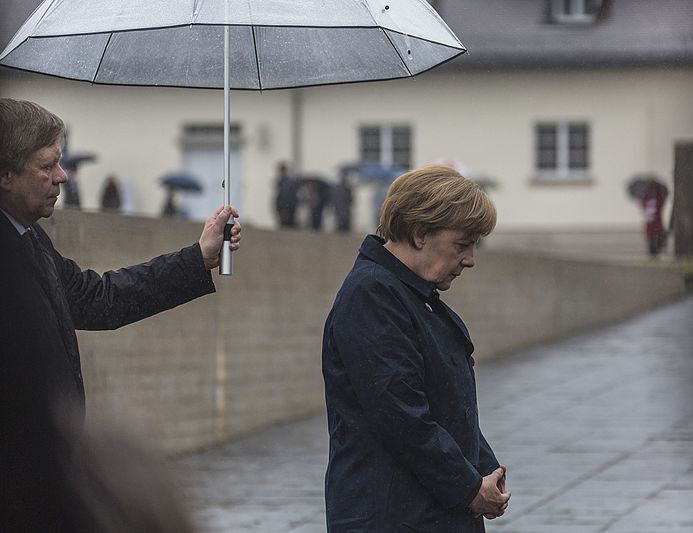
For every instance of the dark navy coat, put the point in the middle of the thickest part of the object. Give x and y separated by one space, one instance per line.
406 452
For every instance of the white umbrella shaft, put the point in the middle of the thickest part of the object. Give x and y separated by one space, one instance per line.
226 261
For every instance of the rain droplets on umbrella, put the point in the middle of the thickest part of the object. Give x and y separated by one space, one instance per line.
249 44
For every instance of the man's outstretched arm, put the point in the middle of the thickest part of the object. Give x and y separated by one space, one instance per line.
130 294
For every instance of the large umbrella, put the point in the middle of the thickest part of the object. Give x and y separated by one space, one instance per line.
239 44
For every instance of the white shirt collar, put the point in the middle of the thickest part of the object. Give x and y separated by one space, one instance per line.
20 229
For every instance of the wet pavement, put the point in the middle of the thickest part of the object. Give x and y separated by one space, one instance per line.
596 432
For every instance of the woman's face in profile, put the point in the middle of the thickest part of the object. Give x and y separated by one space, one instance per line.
443 255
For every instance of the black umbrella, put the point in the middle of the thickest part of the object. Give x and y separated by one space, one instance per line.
640 184
71 160
181 181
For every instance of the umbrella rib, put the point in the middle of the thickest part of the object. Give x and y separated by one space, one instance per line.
96 73
257 59
397 51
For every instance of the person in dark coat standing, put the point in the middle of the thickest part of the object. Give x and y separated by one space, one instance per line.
406 452
30 176
286 200
46 296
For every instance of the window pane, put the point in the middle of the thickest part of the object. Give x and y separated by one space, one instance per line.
547 159
370 144
592 6
401 146
546 135
578 146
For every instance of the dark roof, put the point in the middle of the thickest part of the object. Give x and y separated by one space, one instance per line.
520 33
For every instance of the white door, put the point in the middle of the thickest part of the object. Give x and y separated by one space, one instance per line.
207 165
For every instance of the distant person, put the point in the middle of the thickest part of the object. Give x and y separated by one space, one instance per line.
71 187
342 198
317 197
71 298
110 194
286 199
406 452
653 204
170 208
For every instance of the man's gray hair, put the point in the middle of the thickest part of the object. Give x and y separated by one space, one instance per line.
24 128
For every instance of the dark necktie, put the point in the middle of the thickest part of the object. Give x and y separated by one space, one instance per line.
30 246
37 257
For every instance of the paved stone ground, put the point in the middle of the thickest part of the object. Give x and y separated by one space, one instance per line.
596 431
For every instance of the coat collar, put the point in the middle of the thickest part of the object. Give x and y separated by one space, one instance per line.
9 235
19 227
372 247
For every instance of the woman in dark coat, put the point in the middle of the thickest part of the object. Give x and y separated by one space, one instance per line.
406 452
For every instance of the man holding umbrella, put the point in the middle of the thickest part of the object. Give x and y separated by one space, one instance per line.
69 298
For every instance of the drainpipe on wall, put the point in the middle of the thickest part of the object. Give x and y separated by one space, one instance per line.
682 221
296 130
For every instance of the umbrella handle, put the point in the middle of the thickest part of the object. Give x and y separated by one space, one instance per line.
226 263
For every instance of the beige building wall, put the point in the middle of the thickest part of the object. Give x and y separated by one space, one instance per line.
137 134
484 119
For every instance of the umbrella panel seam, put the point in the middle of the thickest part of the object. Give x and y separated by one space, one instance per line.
232 88
397 52
257 59
154 28
103 54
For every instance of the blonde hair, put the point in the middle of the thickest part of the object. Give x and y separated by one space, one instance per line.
434 198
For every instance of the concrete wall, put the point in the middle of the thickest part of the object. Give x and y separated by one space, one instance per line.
249 356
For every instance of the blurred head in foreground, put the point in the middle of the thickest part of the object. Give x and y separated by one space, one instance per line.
433 217
117 485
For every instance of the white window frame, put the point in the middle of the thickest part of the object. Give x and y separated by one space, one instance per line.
562 171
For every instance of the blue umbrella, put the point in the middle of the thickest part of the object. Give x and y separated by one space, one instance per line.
182 181
375 171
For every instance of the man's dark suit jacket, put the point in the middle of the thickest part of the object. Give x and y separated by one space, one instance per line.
71 298
43 298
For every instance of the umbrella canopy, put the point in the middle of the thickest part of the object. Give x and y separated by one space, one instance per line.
231 44
273 43
640 184
181 181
